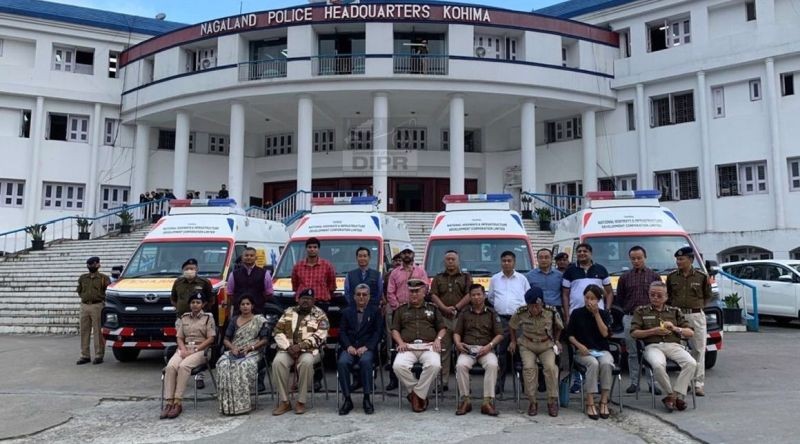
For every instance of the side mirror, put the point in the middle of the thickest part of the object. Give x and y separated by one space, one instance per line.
786 278
712 267
116 271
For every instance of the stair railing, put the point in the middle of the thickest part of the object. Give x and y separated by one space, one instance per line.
560 205
293 206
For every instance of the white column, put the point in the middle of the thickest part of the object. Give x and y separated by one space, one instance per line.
640 108
305 137
236 155
141 156
457 144
92 186
706 167
527 126
33 197
777 184
380 144
181 165
589 151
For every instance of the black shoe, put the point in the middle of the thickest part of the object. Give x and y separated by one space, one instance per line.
499 396
261 387
200 384
368 407
82 361
391 386
317 386
655 390
444 388
97 361
346 406
633 388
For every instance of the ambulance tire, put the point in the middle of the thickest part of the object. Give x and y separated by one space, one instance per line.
126 354
711 359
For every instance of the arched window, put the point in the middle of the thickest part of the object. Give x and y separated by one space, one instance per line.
744 253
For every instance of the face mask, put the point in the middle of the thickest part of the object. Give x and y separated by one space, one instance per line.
93 268
189 274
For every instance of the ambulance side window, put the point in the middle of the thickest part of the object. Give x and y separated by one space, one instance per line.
237 254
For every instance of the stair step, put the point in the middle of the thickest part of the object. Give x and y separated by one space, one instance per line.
39 320
49 329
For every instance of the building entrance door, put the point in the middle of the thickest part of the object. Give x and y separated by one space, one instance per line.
409 196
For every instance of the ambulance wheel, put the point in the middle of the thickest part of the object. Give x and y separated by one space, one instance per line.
126 354
711 359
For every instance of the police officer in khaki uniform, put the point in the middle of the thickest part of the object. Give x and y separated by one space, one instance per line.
538 325
92 290
188 285
196 332
450 293
662 327
689 290
417 329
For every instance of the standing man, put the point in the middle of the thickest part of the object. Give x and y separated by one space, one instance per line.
418 330
633 291
476 333
562 262
506 294
299 334
450 293
314 273
186 286
688 290
363 275
222 193
252 280
92 291
359 333
579 276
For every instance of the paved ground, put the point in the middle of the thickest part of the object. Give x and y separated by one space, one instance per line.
45 397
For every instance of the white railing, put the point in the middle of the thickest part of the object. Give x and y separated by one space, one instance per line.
421 64
287 209
262 69
334 65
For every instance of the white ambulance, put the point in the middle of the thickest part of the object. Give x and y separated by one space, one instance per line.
138 314
480 227
614 221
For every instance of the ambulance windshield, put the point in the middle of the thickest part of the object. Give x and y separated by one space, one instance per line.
340 252
612 252
164 259
480 257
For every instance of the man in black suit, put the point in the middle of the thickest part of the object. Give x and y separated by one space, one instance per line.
359 332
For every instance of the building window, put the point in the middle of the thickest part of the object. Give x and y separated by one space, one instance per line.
62 196
561 130
445 140
113 56
737 254
25 124
166 140
201 59
218 144
666 34
787 84
750 10
795 254
678 184
77 60
794 174
718 96
113 197
68 127
495 47
410 138
755 89
12 193
742 178
672 109
277 144
631 116
625 43
619 183
471 140
110 130
360 139
324 140
1 47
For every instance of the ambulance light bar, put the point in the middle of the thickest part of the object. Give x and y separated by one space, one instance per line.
202 203
470 198
611 195
353 200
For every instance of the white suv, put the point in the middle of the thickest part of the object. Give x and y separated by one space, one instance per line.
778 283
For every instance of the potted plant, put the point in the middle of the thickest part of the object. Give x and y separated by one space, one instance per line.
732 314
544 216
37 235
526 200
83 228
125 220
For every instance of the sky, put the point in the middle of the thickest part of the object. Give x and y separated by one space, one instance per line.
195 11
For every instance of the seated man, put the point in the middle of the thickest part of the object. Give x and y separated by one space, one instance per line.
359 332
299 334
539 325
662 328
477 331
417 329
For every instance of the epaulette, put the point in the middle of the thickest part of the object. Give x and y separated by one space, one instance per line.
522 309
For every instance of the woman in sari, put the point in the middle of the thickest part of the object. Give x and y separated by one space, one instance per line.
237 368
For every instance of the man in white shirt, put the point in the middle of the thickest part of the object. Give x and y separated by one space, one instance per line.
506 294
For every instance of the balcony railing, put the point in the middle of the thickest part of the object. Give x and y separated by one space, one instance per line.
262 69
421 64
335 65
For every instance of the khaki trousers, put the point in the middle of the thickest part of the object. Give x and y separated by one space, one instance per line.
178 372
90 320
602 366
697 322
490 368
530 371
657 355
281 372
431 365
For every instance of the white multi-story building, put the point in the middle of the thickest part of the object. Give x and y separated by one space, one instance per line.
413 100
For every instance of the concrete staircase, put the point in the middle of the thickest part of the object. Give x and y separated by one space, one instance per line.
37 289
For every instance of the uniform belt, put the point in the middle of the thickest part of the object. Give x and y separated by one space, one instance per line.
505 316
535 340
92 303
691 310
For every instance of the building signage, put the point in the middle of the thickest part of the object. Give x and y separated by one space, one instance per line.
229 24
